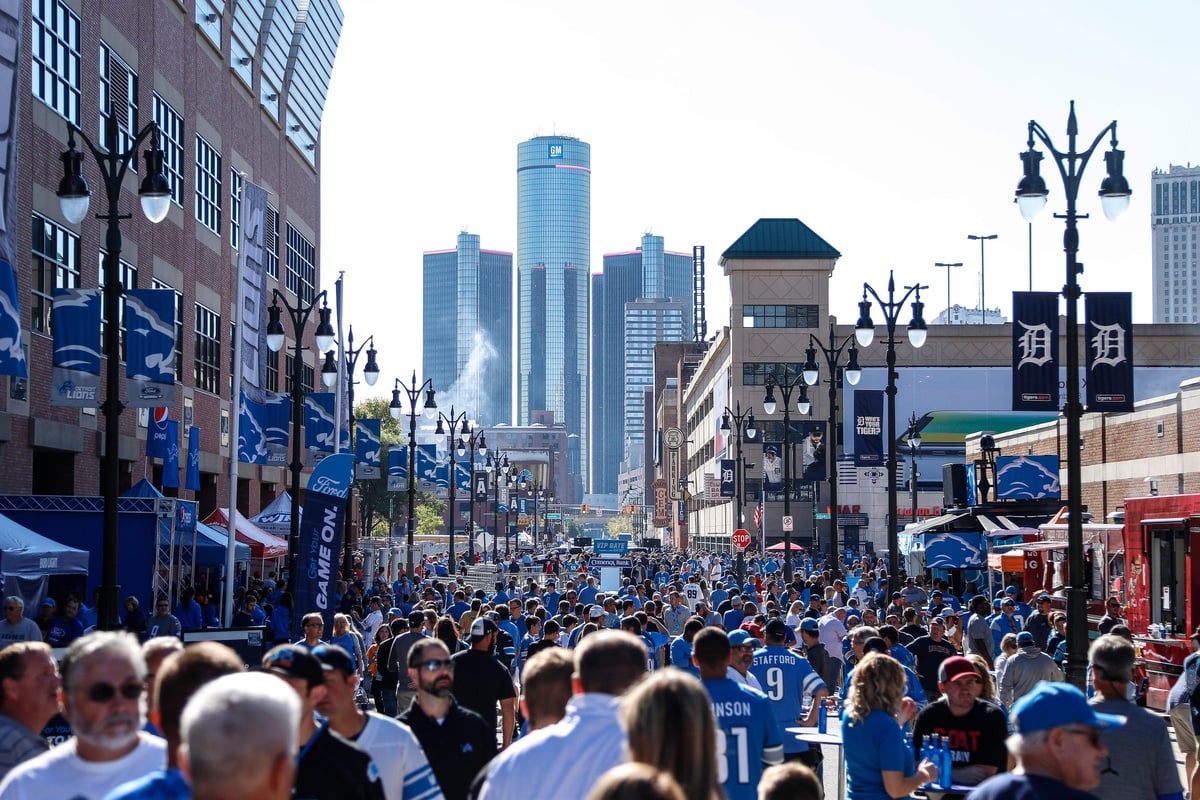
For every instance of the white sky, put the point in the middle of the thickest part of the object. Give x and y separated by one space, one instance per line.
891 129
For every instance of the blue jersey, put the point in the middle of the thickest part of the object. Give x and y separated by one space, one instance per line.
681 656
873 745
748 737
786 678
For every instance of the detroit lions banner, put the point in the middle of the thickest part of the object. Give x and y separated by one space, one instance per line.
150 348
252 434
277 409
397 475
367 449
868 428
728 477
170 468
192 481
1035 351
319 429
1108 338
252 290
429 476
12 347
76 372
319 551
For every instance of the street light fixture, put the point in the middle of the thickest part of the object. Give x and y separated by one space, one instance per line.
803 406
914 444
948 267
864 332
982 284
743 423
74 197
329 376
1114 199
852 372
497 467
476 442
412 390
457 446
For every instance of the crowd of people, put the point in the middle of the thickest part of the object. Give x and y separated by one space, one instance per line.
683 682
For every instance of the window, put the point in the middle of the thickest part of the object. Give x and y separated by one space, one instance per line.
55 266
208 185
170 139
208 350
306 375
272 371
235 206
755 373
128 276
301 266
157 284
271 243
795 316
118 100
55 33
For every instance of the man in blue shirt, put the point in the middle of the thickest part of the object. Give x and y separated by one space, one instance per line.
748 736
786 678
734 616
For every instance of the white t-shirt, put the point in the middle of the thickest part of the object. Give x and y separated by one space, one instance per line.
400 758
692 593
60 773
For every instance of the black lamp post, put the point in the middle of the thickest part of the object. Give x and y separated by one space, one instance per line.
982 274
459 447
864 332
986 468
803 406
329 375
1114 199
832 353
497 467
743 424
298 314
74 197
948 267
914 444
476 442
412 390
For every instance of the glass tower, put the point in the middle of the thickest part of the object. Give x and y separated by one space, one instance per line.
554 187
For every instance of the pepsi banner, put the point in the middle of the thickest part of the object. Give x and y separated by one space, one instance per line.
150 348
397 475
76 362
170 468
1035 351
728 477
319 551
868 428
157 436
366 450
192 481
1108 337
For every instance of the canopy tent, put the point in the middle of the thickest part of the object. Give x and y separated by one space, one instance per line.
262 544
210 547
28 559
277 517
781 546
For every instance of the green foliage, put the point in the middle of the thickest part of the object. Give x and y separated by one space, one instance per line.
374 495
620 524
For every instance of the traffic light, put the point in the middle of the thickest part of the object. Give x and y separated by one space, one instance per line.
583 509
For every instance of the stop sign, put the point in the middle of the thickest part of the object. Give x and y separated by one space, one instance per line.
741 538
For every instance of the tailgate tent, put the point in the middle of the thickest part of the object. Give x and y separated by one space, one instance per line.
277 517
210 542
263 546
28 559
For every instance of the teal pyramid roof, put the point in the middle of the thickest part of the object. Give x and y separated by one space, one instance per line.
780 239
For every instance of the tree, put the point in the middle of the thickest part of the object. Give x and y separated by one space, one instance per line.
620 524
375 498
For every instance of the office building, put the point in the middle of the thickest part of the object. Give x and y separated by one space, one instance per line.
467 332
1174 223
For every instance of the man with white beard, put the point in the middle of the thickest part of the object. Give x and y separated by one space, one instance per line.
103 679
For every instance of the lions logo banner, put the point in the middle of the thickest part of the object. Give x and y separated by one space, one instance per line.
320 548
76 348
319 428
1035 351
192 481
12 348
170 469
1108 339
150 348
397 477
367 449
252 434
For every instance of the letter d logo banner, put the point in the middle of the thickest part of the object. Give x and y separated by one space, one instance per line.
319 552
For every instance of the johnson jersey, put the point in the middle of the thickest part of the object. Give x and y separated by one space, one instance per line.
786 678
748 737
394 748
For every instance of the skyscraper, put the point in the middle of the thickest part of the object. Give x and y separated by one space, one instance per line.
467 332
642 297
554 189
1174 223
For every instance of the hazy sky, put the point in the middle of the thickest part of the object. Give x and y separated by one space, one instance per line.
891 129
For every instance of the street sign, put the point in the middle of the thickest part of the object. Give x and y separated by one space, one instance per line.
552 515
741 538
674 438
822 515
787 523
610 546
622 563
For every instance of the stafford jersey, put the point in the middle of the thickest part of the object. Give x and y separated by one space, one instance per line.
748 737
786 678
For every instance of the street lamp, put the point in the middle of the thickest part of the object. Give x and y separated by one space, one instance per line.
864 332
329 375
74 197
413 391
1114 199
982 285
803 406
743 423
914 444
497 466
457 446
832 352
948 266
987 480
298 314
475 442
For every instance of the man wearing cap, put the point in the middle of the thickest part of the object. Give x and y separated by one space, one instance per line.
787 678
930 652
328 766
732 619
1140 760
706 613
1022 608
1038 623
977 638
832 627
817 655
913 595
1005 622
481 681
742 646
1058 745
1024 669
974 729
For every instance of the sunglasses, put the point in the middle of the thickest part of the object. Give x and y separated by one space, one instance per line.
105 692
11 608
1091 734
435 664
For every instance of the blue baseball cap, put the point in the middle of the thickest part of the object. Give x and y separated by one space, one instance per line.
811 625
1053 705
334 656
741 638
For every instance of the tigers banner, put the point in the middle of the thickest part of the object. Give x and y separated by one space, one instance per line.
1109 341
868 428
1035 351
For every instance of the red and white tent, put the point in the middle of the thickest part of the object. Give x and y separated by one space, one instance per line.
263 545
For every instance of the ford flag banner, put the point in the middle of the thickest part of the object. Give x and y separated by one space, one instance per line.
320 548
868 428
12 348
192 481
397 477
1108 336
1035 351
150 348
367 450
76 348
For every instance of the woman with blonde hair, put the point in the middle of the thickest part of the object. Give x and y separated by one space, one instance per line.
879 763
669 723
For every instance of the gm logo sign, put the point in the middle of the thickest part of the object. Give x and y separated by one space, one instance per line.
554 151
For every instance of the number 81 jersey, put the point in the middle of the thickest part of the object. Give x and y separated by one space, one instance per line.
748 736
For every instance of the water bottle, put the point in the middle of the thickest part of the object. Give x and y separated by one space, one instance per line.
822 719
944 764
927 753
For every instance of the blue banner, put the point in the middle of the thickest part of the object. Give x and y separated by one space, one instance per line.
430 474
728 477
149 347
320 548
319 426
157 433
397 477
1035 351
170 468
812 453
12 348
462 475
868 428
76 348
1027 478
1109 342
278 410
252 434
367 449
192 481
